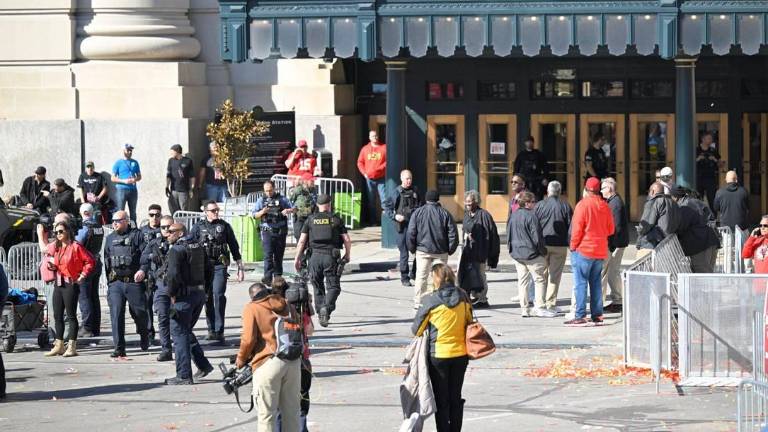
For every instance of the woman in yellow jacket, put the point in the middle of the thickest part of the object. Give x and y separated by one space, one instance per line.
445 314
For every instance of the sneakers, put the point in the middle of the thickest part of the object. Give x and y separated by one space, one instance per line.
165 356
526 312
324 317
212 335
178 381
117 353
545 313
202 373
613 308
477 304
577 322
144 343
406 282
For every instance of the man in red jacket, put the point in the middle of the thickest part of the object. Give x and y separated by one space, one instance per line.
756 247
591 226
372 164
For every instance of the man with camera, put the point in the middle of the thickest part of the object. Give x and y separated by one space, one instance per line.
185 281
273 209
399 207
276 372
325 232
218 240
91 237
155 264
756 247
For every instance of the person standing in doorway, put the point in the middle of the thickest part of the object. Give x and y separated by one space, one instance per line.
180 180
532 164
126 173
595 159
707 168
372 164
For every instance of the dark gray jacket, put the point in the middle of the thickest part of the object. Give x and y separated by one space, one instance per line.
554 216
524 237
661 217
431 229
694 232
732 205
485 244
620 237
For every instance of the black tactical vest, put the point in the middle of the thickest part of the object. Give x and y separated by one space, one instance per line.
122 255
95 237
324 230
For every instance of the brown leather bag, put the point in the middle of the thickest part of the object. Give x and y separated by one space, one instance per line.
479 342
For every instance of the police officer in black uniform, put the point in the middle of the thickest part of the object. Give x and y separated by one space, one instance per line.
91 237
218 241
151 231
532 164
154 264
273 209
399 207
185 281
122 256
595 159
325 232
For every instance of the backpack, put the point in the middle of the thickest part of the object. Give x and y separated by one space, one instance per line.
290 341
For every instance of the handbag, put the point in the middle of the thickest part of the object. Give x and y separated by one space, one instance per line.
479 342
46 273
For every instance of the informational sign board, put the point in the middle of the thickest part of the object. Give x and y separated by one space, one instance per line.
498 148
273 148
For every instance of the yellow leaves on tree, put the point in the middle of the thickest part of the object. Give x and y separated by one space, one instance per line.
234 134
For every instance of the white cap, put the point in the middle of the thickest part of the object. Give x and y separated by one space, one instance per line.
666 172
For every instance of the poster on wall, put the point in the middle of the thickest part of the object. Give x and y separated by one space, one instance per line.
498 148
273 149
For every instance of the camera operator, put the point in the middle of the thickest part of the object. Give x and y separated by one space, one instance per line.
185 281
276 381
91 237
154 264
325 233
273 210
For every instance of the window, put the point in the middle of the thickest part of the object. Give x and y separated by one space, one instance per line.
750 33
288 37
474 35
645 33
261 39
417 29
693 33
389 35
652 89
616 33
754 88
493 90
553 89
530 32
712 89
502 35
602 89
559 29
721 36
344 36
316 36
445 91
446 35
588 33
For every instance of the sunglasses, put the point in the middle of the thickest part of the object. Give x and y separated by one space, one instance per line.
763 226
60 231
118 220
165 227
154 215
212 210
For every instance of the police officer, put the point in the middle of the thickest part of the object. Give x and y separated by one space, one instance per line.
325 233
302 197
151 231
218 241
154 264
185 281
532 164
273 210
122 256
595 159
91 237
399 207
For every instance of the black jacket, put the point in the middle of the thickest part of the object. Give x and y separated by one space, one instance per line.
620 237
31 193
532 164
485 244
694 232
432 230
392 205
554 216
732 205
661 217
64 201
524 237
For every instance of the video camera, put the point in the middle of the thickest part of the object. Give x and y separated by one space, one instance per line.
235 378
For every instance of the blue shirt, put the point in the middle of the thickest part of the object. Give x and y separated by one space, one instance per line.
262 202
125 169
82 234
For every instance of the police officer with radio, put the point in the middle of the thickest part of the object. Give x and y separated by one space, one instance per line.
151 231
325 232
122 256
185 282
218 241
91 237
399 207
154 264
273 210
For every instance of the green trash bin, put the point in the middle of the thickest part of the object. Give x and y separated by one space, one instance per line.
246 231
348 205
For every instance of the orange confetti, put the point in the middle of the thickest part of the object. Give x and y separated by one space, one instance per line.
599 368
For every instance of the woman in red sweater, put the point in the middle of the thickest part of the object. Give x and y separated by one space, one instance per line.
71 263
756 247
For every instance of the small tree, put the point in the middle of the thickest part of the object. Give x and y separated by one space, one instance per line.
233 133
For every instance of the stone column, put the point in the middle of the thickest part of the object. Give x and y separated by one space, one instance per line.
396 145
137 30
685 122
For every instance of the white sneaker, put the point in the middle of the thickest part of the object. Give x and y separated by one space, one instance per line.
545 313
525 312
570 315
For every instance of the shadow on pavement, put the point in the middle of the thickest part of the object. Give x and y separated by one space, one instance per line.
82 392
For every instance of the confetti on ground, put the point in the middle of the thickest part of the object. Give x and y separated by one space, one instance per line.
598 367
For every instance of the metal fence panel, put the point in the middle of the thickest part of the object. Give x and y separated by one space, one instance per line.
638 293
758 347
23 268
740 237
3 257
724 263
188 218
326 185
752 404
715 314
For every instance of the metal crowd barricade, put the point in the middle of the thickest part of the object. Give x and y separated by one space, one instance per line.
752 406
23 269
758 347
3 258
326 185
235 206
640 291
188 218
740 237
715 314
724 262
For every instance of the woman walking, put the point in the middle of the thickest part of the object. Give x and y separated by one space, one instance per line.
445 314
71 263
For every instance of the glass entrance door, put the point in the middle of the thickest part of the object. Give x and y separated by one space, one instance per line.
717 126
651 148
555 136
755 127
497 151
445 161
607 130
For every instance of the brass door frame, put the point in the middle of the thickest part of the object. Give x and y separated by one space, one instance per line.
636 199
454 204
585 139
570 120
497 205
763 158
722 145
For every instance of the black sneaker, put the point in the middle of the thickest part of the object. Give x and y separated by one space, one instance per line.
165 356
85 334
219 338
266 281
613 308
178 381
324 317
477 304
202 373
117 353
144 343
577 322
211 336
406 282
598 321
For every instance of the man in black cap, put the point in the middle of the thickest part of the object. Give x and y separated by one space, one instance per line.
326 233
432 236
180 180
32 189
62 198
94 190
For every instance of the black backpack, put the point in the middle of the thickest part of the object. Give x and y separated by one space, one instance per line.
289 338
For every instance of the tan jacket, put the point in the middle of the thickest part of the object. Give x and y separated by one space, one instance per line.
258 342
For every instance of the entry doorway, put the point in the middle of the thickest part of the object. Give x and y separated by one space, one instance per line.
610 128
377 123
652 147
755 155
717 125
555 136
445 161
498 148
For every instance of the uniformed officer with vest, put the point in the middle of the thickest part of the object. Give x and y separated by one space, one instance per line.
151 231
399 207
302 197
185 282
154 264
325 232
122 257
218 241
91 237
273 209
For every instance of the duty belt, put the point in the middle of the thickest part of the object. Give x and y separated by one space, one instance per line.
196 288
324 251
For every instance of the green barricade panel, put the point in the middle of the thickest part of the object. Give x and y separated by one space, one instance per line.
246 230
342 205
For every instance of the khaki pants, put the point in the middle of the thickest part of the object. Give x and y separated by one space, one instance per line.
424 262
527 269
482 296
553 272
277 386
610 278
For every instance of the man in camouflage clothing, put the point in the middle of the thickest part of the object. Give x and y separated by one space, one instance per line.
302 196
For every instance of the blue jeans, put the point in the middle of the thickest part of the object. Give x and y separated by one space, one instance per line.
273 246
373 187
162 303
216 300
90 305
587 271
118 293
187 310
215 193
130 196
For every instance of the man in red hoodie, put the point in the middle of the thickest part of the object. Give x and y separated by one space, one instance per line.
372 164
756 247
591 226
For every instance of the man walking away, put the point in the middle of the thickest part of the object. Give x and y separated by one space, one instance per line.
372 164
399 207
660 219
180 180
732 203
610 277
525 241
554 215
481 249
